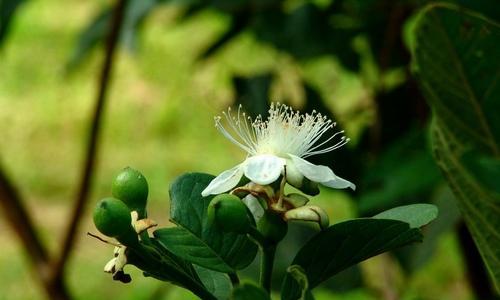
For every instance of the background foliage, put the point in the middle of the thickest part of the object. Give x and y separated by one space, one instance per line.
181 62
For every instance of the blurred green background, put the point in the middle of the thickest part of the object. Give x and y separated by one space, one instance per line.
159 119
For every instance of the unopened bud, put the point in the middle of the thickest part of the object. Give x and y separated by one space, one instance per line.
309 213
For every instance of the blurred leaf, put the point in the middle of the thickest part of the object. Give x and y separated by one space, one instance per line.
216 283
249 291
306 32
238 24
252 93
94 33
389 182
417 215
196 239
343 160
7 11
345 244
457 62
97 30
412 258
488 8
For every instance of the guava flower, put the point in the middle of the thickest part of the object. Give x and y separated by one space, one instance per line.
277 146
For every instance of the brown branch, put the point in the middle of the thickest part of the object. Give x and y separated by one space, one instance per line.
19 219
91 154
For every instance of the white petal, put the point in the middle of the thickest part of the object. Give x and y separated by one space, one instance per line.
316 173
339 183
321 174
263 169
293 175
110 266
224 182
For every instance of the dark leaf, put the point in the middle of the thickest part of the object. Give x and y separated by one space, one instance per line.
485 169
456 59
97 30
196 239
412 258
238 24
252 93
389 182
249 291
7 10
345 244
217 283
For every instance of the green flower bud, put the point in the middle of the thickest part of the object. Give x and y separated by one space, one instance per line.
112 218
131 187
229 213
272 227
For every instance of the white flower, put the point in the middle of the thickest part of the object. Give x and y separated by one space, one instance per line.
283 140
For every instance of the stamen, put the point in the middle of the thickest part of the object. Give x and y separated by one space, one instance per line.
285 131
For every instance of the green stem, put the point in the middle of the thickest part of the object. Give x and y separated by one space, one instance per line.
268 249
266 266
257 236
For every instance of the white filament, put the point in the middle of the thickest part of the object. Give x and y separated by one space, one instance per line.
284 132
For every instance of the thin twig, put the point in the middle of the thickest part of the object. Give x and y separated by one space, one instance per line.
102 240
91 154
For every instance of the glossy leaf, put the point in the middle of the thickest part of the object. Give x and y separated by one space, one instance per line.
168 267
345 244
457 62
416 215
196 239
217 283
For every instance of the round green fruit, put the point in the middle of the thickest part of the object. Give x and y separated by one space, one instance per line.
272 227
131 187
112 218
229 213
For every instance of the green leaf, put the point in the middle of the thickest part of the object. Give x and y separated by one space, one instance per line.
413 258
98 28
395 183
190 247
156 261
345 244
217 283
196 239
299 275
417 215
249 291
484 168
456 59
